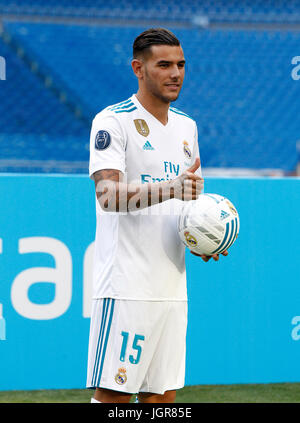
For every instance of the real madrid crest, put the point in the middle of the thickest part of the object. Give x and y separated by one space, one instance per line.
190 239
121 377
142 127
232 208
186 149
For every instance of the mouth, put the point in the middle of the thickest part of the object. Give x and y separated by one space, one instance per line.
173 86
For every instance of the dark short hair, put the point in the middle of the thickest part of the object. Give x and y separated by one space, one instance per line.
152 37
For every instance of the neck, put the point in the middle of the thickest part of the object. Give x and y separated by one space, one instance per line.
154 105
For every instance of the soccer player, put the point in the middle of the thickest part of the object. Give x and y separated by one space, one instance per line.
144 159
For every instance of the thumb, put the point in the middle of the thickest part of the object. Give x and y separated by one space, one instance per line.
195 166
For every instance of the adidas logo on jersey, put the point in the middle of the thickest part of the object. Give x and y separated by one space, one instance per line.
147 146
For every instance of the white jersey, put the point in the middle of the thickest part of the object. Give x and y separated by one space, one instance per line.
139 256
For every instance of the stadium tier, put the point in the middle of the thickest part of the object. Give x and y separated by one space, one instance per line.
34 124
171 10
238 88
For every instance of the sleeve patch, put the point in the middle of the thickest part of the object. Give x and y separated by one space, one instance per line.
102 140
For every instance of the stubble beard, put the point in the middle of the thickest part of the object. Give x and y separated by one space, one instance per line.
154 90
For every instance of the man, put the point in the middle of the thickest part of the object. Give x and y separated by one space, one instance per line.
144 159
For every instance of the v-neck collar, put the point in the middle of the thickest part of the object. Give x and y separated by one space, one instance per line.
135 99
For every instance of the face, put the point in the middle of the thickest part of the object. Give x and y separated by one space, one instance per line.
162 72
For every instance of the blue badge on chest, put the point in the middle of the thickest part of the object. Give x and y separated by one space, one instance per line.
102 140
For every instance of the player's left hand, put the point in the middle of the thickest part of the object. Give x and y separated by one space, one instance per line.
214 256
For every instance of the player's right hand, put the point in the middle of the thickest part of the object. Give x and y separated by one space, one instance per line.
188 186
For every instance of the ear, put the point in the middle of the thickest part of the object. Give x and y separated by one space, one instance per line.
138 68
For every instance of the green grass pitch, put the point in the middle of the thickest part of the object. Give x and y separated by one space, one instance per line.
246 393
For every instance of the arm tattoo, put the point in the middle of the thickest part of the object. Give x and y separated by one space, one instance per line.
112 175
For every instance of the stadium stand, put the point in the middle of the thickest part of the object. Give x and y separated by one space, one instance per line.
161 10
238 86
34 124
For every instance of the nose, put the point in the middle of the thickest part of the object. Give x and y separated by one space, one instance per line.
175 74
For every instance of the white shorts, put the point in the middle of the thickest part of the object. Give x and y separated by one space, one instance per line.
137 346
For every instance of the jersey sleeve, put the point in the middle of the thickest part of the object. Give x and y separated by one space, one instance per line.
107 145
196 152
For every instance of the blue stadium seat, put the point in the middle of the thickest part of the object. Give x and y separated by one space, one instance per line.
238 85
34 124
170 10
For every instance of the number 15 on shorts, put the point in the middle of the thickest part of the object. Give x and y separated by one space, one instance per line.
136 348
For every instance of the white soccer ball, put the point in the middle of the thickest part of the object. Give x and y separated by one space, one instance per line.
208 225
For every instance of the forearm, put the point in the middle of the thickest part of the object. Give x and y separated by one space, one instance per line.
122 197
115 195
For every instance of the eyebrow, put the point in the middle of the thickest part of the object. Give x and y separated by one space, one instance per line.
168 61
